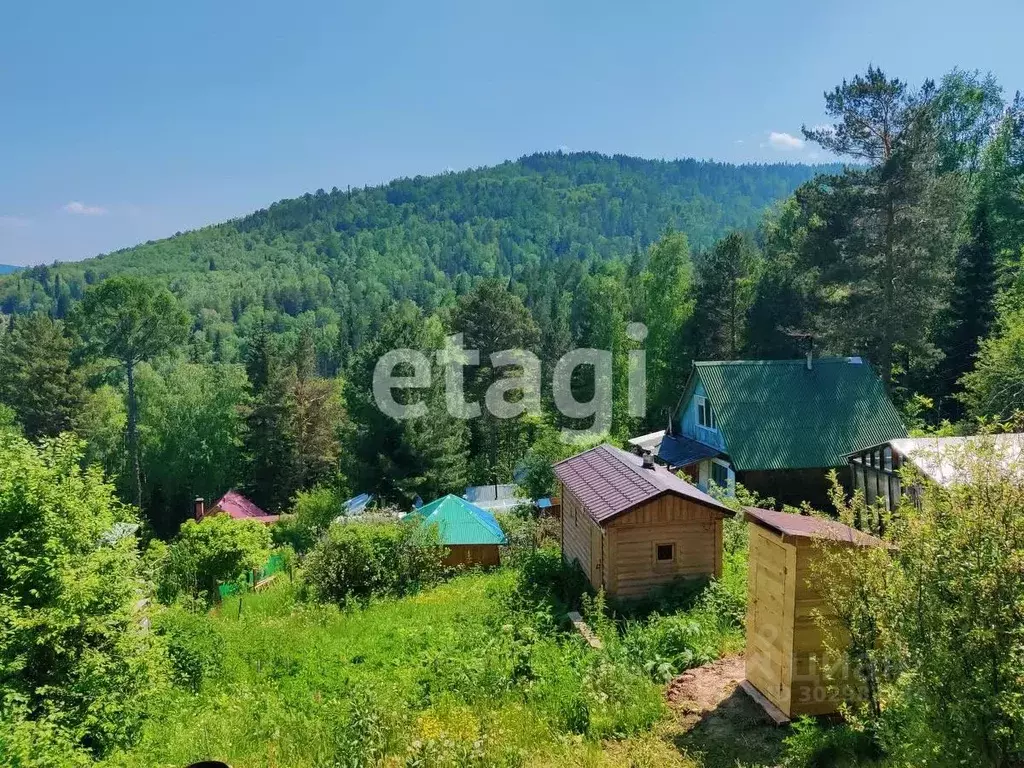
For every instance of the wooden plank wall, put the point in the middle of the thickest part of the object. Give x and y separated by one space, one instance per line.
472 554
812 666
771 587
632 540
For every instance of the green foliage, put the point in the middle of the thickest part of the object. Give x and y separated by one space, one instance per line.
218 549
447 677
191 429
312 513
812 744
127 319
547 449
74 655
400 459
37 376
935 624
995 388
357 561
194 645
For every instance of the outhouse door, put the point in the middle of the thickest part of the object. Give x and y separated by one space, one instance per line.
767 646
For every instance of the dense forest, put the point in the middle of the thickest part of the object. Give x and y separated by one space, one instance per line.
243 355
909 254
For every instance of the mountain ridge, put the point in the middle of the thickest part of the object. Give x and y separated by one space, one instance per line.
345 256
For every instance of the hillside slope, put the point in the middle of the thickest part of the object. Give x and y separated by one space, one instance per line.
351 253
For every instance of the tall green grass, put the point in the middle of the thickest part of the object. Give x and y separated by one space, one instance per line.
447 677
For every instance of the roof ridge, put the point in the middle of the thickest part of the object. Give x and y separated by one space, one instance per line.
787 361
638 471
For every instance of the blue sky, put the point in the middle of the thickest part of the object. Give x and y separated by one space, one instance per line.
121 122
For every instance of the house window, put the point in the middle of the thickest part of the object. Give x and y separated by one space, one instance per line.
705 415
666 553
719 474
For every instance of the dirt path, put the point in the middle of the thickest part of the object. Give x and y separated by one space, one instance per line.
719 723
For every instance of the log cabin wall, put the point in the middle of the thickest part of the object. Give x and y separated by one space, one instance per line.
633 539
582 539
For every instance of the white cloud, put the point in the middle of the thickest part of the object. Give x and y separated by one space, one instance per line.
14 222
84 210
784 141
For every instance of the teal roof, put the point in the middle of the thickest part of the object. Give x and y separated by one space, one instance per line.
776 414
460 522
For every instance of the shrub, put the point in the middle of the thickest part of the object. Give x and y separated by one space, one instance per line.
818 745
217 549
313 513
361 560
933 627
664 646
74 657
194 646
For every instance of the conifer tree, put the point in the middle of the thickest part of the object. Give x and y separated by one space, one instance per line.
38 379
270 442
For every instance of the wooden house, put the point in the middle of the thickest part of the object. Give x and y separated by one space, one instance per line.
876 470
632 525
470 533
777 426
786 660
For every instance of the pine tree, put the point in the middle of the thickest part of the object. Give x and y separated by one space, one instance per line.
971 309
270 441
38 378
724 292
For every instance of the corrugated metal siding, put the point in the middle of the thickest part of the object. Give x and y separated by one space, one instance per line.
775 414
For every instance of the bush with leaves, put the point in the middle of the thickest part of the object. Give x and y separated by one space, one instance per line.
935 624
313 512
194 647
356 561
75 657
218 549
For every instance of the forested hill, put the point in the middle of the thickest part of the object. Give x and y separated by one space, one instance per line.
350 253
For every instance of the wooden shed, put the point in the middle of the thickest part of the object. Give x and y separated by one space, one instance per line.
471 534
786 658
632 525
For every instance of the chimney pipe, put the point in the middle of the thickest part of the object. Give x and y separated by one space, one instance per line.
648 463
199 508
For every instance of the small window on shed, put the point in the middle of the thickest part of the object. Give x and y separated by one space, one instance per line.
666 553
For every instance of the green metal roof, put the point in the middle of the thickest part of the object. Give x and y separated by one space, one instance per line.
776 414
460 522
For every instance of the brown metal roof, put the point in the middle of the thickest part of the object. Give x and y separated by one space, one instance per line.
610 481
807 527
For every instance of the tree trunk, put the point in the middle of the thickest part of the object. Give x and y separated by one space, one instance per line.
133 437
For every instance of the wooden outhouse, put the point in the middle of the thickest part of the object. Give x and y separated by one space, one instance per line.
632 525
786 660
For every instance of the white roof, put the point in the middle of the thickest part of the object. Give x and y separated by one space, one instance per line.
650 441
945 461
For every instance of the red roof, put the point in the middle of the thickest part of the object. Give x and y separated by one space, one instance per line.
235 505
807 527
610 481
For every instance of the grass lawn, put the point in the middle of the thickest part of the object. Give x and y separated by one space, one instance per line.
447 677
